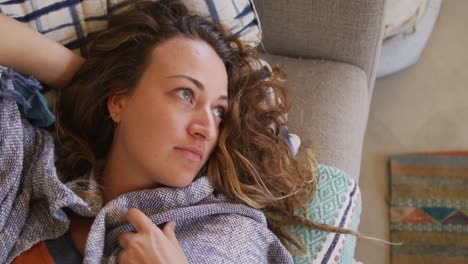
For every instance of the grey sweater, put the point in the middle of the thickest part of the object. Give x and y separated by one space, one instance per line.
33 202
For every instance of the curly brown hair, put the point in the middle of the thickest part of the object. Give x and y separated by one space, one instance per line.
251 163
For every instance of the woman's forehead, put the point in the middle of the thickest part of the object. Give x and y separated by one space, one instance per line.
195 59
181 51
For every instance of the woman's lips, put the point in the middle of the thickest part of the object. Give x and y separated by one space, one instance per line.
192 153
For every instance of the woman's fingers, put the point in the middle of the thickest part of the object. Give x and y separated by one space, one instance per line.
149 244
143 224
125 239
168 230
139 220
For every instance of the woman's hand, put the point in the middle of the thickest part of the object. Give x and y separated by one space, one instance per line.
149 244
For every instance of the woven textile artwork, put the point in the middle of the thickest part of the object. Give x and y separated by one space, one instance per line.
429 207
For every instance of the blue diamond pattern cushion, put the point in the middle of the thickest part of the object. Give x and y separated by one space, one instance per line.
69 22
337 202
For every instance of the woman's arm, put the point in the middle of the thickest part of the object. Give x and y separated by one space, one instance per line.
30 53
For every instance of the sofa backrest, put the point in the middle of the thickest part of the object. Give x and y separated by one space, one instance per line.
340 30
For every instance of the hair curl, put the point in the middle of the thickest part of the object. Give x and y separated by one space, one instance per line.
251 163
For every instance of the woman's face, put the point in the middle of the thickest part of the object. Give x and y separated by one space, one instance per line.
168 126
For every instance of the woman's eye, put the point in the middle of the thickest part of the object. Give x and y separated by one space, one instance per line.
185 94
219 112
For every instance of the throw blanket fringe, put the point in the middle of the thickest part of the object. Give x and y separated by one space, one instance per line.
13 95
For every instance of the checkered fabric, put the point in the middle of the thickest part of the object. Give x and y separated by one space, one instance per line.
70 21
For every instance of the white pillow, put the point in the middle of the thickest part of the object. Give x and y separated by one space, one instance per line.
402 16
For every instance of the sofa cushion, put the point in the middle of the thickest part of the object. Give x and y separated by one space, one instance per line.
69 22
330 107
345 31
337 202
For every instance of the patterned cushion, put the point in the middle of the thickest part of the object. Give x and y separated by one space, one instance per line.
337 202
239 16
69 22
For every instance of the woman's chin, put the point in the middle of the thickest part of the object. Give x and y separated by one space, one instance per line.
180 181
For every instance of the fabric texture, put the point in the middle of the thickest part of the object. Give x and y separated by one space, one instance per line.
344 31
330 109
33 202
429 209
337 203
34 107
69 22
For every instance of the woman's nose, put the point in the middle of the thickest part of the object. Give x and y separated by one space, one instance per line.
203 124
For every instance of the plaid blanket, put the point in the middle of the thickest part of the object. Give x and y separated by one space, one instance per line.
34 202
69 22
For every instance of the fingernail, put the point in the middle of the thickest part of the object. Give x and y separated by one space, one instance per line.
172 224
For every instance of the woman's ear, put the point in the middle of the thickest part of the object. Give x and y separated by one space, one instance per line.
115 105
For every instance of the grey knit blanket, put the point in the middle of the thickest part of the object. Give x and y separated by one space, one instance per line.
34 204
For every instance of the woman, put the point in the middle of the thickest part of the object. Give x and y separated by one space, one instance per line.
162 99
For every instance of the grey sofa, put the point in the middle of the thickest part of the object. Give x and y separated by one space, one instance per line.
329 50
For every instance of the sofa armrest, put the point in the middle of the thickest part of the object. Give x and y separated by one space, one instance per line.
330 109
346 31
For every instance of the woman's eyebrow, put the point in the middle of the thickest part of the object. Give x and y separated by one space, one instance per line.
197 83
